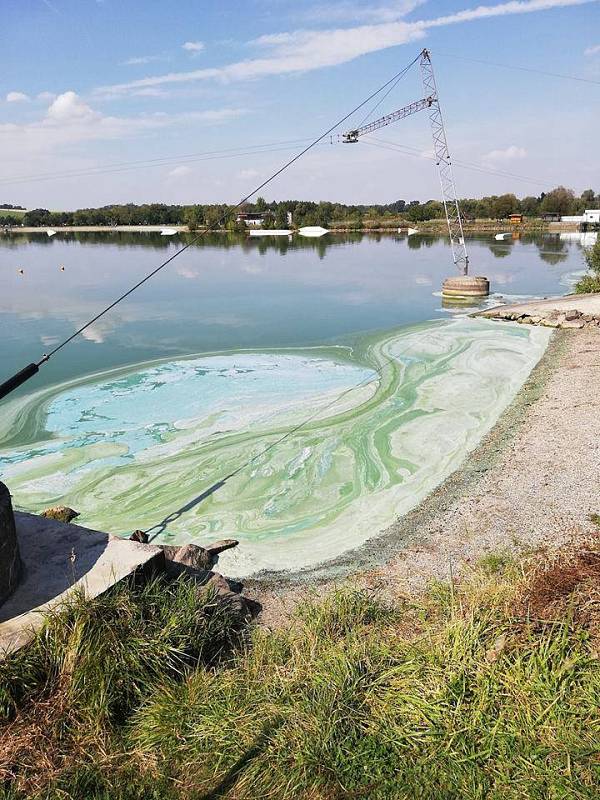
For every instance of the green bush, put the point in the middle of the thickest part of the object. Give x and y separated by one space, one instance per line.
591 282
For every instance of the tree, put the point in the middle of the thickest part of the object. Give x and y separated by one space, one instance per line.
559 200
192 217
281 221
36 218
530 206
504 205
212 215
588 196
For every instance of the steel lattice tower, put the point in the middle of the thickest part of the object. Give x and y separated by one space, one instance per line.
444 163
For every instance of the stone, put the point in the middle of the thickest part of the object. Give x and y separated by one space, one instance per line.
223 584
60 513
219 547
572 313
196 557
139 536
188 558
192 555
196 562
573 323
497 649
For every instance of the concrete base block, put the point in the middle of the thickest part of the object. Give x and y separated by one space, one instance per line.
57 558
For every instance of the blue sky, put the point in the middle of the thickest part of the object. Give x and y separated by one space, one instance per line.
91 83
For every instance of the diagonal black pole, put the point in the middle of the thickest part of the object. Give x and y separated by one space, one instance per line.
31 369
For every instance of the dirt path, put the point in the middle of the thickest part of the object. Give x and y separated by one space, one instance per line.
533 481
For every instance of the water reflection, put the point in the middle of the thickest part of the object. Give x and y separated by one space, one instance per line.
553 245
233 291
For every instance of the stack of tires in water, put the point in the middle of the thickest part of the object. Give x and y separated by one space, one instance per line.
465 287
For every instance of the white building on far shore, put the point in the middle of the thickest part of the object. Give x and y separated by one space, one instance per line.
589 216
592 215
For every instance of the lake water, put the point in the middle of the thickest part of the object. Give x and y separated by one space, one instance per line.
169 413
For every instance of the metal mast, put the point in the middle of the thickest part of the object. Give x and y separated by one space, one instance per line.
431 101
442 156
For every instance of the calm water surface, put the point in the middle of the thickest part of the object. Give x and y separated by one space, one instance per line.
315 318
230 293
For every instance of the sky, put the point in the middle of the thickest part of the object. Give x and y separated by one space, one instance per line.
113 101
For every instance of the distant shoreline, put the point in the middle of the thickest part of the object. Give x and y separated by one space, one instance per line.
431 226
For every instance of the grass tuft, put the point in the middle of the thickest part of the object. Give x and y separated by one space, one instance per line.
488 688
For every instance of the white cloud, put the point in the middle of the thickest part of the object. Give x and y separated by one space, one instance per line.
511 153
69 107
179 172
188 272
17 97
150 91
46 97
193 47
592 51
135 60
361 12
305 50
98 332
69 120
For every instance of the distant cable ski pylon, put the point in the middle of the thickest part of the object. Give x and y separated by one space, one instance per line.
31 369
430 103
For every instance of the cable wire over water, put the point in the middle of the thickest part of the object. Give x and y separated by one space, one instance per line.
31 369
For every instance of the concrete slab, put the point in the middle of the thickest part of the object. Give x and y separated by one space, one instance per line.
58 558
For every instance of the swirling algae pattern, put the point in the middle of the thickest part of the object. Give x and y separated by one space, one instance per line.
390 416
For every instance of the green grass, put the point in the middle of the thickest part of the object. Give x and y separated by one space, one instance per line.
489 688
588 284
12 212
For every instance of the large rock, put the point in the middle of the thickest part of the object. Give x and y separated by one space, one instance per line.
219 547
196 557
189 555
10 561
197 562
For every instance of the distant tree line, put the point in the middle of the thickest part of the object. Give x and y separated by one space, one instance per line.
561 201
10 206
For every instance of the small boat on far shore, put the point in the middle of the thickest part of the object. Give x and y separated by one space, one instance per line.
313 230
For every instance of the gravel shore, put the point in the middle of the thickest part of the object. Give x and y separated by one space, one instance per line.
533 482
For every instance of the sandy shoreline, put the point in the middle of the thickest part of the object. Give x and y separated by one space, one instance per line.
532 482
